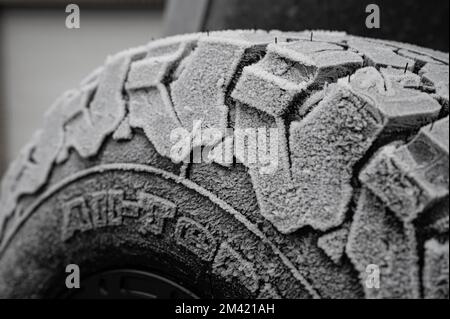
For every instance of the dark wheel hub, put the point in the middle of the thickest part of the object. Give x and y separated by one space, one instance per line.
131 284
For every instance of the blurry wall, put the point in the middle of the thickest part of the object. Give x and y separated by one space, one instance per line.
40 58
421 22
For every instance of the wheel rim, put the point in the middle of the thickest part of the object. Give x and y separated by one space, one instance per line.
130 284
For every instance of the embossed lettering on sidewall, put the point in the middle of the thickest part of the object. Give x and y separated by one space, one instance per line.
109 208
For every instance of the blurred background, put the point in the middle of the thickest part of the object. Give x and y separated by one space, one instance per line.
40 58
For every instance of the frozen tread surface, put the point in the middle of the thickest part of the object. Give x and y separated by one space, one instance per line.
334 242
378 238
412 177
381 56
435 273
362 152
288 69
437 75
323 148
199 92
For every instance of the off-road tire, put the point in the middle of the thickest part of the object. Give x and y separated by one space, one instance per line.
357 206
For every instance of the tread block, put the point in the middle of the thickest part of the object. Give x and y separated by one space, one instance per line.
441 226
435 272
153 70
437 55
149 111
255 37
75 112
381 56
86 131
437 134
324 147
150 104
396 78
288 69
310 103
334 242
149 72
437 75
169 46
378 238
317 35
247 139
410 178
123 132
402 108
167 49
422 58
327 277
267 170
199 92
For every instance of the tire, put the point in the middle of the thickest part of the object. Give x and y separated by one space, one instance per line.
353 202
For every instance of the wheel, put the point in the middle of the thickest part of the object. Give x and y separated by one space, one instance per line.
244 164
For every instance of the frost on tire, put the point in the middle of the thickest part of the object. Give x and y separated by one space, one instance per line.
413 177
199 93
435 273
150 104
378 238
361 157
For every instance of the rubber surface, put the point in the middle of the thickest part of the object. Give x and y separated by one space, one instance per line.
362 175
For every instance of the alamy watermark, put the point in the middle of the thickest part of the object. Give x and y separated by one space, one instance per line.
257 147
73 17
73 277
372 280
373 19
